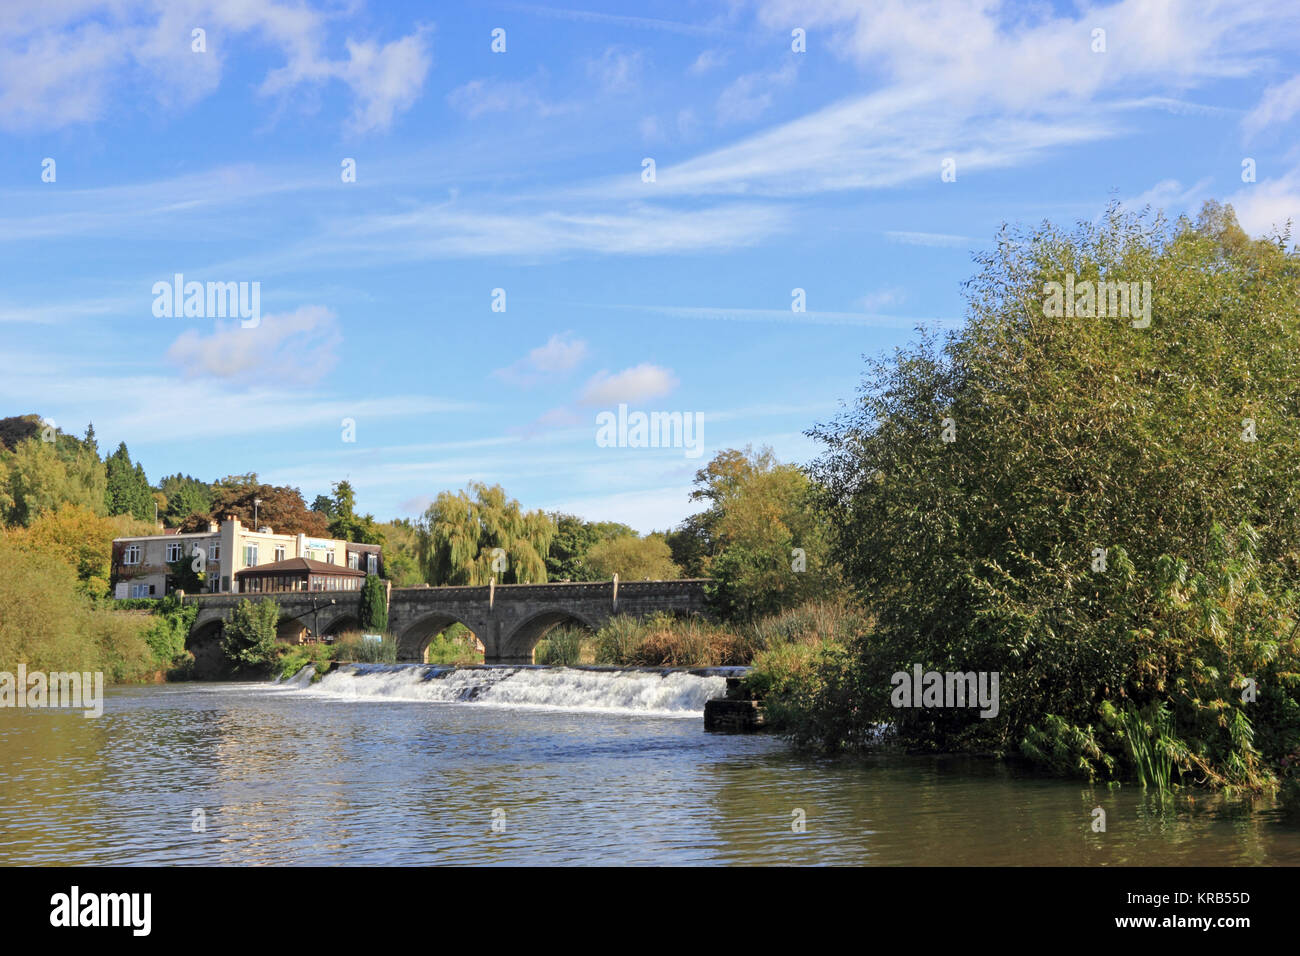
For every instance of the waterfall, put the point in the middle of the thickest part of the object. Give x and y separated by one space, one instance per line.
660 692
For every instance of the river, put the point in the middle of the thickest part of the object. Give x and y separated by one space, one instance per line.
404 765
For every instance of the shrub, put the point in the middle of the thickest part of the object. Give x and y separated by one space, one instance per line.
248 638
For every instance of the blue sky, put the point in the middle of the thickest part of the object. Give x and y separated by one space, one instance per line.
522 170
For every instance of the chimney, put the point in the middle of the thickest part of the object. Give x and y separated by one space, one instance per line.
213 526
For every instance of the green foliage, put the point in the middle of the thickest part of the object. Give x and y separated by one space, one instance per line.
454 647
181 575
49 623
374 605
1074 435
762 539
127 489
632 559
185 496
248 638
401 560
1148 736
1067 750
574 538
459 534
355 649
293 659
167 633
561 647
665 640
77 536
37 477
344 523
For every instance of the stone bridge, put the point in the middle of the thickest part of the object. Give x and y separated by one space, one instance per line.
507 619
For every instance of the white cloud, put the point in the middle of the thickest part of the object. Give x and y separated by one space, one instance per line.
69 63
1170 196
1278 104
748 97
616 70
503 96
929 238
559 355
882 298
1264 208
297 346
706 61
637 384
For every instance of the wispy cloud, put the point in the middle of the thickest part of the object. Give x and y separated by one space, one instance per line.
300 346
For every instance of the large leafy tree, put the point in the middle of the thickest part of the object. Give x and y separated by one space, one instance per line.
401 553
79 537
281 508
632 559
39 476
574 538
473 535
185 496
1038 495
762 537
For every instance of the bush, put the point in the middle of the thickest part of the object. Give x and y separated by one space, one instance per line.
248 638
167 634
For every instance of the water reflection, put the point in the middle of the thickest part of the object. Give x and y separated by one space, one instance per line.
291 779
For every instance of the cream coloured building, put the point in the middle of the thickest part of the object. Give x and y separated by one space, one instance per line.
140 564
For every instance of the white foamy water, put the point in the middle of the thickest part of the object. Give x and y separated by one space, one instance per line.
651 692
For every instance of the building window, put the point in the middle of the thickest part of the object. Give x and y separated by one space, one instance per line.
354 560
131 555
212 583
214 552
139 590
279 552
329 557
372 564
174 551
250 555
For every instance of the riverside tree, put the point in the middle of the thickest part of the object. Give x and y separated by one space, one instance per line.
1107 515
471 536
762 538
374 605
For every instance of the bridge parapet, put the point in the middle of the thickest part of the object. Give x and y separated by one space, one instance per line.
510 619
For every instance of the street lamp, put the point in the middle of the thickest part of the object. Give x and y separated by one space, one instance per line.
256 502
315 617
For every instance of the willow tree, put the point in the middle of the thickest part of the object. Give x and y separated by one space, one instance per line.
472 536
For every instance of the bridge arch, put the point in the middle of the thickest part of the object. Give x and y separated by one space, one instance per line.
413 639
522 641
204 643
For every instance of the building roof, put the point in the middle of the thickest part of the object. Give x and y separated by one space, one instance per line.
302 565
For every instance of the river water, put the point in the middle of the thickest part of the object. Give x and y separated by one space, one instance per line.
413 765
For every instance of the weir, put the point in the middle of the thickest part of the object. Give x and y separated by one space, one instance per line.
648 691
